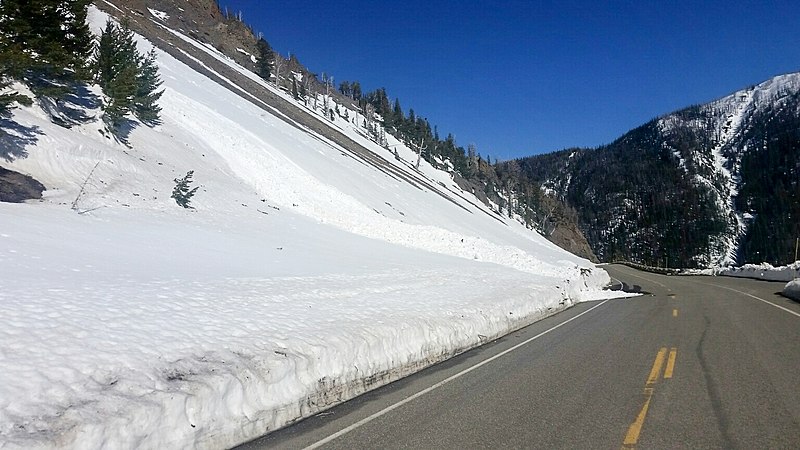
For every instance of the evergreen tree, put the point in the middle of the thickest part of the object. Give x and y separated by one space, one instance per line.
116 68
129 81
8 98
45 44
145 105
344 88
398 112
266 59
294 89
182 193
380 101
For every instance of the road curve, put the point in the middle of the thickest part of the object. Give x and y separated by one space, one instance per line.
695 362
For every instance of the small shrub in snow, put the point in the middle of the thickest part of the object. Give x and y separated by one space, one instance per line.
182 193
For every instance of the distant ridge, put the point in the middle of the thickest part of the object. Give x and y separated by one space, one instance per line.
711 184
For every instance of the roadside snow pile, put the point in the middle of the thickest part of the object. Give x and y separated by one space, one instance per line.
136 329
763 271
792 289
304 276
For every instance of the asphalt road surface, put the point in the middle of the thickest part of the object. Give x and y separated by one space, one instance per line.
695 362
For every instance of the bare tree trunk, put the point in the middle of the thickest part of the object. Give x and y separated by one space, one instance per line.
419 152
278 64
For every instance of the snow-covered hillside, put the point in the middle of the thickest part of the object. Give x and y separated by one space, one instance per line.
305 275
710 185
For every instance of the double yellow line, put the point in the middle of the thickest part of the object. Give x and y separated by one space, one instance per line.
632 437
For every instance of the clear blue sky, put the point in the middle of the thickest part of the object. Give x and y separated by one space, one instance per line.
524 77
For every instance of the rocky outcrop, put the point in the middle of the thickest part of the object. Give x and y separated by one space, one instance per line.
16 187
568 236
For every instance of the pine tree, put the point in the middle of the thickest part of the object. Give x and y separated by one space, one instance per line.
77 38
128 80
344 88
116 68
182 193
45 44
11 59
8 97
6 101
266 59
145 105
398 111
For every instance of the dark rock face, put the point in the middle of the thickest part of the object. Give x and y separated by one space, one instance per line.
16 187
568 236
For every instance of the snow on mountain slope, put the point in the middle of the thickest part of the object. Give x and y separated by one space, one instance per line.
305 275
716 163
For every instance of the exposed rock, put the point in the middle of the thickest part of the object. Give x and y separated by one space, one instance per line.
569 237
16 187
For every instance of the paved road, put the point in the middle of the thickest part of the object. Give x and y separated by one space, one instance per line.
696 362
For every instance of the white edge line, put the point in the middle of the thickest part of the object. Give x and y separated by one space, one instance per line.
413 397
757 298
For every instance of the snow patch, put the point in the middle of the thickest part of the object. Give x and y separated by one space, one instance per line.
792 289
763 271
160 15
245 52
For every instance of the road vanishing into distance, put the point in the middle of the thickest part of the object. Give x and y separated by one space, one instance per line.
695 362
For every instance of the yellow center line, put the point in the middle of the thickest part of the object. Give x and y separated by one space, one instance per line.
636 427
632 436
674 313
657 364
673 353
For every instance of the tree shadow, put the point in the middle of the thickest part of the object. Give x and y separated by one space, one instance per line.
78 106
15 137
122 132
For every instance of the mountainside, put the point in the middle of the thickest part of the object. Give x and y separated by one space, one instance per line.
313 263
199 35
711 184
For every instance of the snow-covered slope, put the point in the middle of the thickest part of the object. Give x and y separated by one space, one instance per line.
305 275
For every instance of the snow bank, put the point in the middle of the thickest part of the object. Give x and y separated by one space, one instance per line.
152 331
763 271
792 289
304 276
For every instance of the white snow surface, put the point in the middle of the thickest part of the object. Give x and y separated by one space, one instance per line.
304 276
763 271
160 15
792 289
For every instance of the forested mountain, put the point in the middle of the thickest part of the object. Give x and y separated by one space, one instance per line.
709 184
